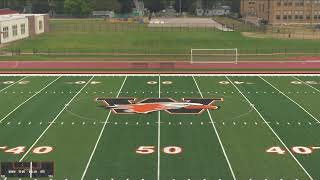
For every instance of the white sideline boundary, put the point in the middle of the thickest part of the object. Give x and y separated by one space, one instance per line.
313 117
100 135
286 147
57 116
24 102
164 75
216 132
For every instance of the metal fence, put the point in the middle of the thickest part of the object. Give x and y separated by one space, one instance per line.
133 27
144 55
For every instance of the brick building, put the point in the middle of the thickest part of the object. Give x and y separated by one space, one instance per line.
281 11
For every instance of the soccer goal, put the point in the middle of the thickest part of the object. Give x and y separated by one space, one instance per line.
214 55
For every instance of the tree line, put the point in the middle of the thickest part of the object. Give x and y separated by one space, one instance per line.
85 7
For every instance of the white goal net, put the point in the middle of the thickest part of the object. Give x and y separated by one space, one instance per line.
214 55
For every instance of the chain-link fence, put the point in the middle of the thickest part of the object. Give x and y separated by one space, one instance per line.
145 55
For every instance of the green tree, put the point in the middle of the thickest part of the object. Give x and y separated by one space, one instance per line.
78 7
102 5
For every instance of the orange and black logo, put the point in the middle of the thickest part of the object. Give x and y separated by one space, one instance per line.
186 106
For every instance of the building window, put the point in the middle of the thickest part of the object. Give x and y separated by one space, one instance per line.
289 14
5 32
23 28
285 16
296 14
14 30
279 2
40 25
278 15
287 3
301 15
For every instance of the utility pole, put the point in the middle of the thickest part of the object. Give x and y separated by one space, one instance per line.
4 3
180 8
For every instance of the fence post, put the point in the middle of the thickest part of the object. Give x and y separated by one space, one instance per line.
285 51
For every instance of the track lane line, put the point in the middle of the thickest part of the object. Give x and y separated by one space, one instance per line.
29 99
290 99
306 172
57 116
217 133
13 84
100 135
306 83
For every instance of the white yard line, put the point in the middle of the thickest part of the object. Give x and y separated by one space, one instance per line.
290 99
28 99
306 172
13 84
306 84
52 122
159 135
216 131
100 135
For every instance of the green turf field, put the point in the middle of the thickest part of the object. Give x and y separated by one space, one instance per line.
266 127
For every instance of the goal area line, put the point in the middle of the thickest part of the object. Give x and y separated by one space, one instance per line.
214 56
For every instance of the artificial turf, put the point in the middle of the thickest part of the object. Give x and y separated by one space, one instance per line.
257 113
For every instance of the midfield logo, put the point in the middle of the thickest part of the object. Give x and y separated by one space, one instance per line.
145 106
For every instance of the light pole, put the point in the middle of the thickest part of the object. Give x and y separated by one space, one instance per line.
180 8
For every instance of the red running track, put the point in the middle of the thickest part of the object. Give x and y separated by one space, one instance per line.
78 65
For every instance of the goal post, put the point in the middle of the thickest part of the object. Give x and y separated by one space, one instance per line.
214 56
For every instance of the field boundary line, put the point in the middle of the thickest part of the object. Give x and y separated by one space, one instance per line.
155 74
13 84
306 172
24 102
216 132
159 132
57 116
290 99
100 135
306 83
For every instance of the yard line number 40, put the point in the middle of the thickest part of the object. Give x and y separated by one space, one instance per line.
296 149
21 149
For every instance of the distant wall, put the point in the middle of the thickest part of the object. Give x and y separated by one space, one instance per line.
31 20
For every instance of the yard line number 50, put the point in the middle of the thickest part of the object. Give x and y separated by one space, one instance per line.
151 149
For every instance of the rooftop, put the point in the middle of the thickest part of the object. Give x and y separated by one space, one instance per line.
7 11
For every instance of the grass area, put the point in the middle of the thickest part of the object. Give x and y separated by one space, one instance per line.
166 41
255 134
146 42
